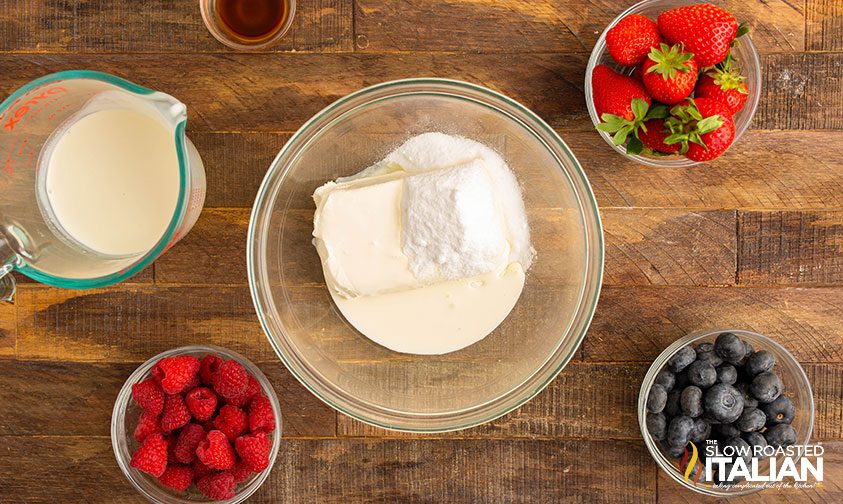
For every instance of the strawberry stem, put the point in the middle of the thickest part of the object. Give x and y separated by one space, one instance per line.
669 60
622 128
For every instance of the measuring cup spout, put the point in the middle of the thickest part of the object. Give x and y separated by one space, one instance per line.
8 258
168 106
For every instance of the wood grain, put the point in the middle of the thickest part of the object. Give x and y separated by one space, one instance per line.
540 26
8 330
823 25
637 323
76 399
786 247
105 26
279 92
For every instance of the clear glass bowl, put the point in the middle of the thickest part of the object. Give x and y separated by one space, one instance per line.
428 393
748 63
796 387
223 34
124 419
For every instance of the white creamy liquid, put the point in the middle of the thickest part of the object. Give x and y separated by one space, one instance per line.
112 181
425 253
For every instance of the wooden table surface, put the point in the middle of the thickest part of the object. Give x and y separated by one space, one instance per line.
751 240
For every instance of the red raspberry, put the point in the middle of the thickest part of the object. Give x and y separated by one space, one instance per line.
172 438
177 372
191 384
217 486
189 439
209 365
200 470
240 471
149 396
215 451
202 403
175 413
177 477
261 415
253 388
208 425
148 423
232 421
230 379
254 450
157 373
151 457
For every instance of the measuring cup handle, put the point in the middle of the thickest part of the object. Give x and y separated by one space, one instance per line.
7 262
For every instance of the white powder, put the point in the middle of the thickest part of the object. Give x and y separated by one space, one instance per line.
466 215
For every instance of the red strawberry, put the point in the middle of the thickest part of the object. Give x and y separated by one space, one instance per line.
705 29
253 388
177 372
188 441
202 403
261 415
148 423
177 476
231 379
207 367
232 421
613 92
670 74
653 133
218 486
703 127
630 40
175 413
215 451
638 73
254 450
724 85
149 396
151 457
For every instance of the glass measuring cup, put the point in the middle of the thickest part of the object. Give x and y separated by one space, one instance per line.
31 239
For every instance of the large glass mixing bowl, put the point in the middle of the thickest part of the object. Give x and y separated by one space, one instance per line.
425 393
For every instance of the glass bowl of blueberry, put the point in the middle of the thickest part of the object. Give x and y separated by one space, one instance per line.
719 404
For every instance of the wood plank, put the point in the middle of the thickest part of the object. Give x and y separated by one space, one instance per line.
823 25
8 330
634 324
786 247
673 247
540 26
76 399
36 469
279 92
671 492
105 26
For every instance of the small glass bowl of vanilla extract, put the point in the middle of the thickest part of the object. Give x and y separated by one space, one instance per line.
248 24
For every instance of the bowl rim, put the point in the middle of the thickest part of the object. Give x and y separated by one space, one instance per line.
667 162
592 274
124 398
659 363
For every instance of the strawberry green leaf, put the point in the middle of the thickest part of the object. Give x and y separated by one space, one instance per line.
657 112
635 146
743 29
709 124
639 108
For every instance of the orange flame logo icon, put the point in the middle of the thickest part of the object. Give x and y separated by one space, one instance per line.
690 464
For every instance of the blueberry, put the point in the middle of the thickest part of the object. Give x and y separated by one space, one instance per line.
755 439
724 402
749 350
657 399
673 451
727 430
741 449
730 347
657 425
702 374
705 352
672 408
679 430
751 420
681 380
691 401
780 411
681 359
760 362
701 432
726 373
666 379
748 400
766 387
780 435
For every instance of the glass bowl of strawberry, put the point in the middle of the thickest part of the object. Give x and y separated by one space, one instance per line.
673 83
196 424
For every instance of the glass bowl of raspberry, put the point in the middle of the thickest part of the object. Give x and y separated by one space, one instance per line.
734 394
196 424
744 62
